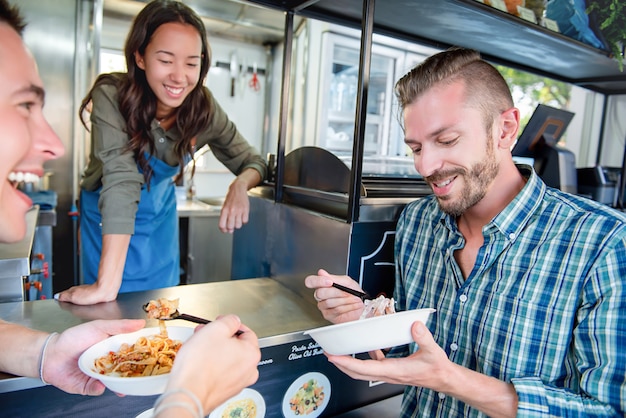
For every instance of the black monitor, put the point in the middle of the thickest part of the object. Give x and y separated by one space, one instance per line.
554 164
547 124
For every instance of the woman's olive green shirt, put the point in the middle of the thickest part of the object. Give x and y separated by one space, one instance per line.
114 168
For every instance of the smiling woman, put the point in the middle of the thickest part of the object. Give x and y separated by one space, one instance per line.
145 125
171 63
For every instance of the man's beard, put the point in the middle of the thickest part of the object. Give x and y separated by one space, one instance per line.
477 181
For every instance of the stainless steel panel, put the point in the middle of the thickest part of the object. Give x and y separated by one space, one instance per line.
232 19
15 261
288 242
209 251
284 240
51 36
11 286
205 251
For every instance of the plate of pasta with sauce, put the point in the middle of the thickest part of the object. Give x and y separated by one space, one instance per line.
307 396
247 404
136 363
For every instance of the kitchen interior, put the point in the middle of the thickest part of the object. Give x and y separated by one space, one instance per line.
290 74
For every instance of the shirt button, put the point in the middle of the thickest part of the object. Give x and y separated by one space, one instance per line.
463 298
454 346
441 395
161 140
511 236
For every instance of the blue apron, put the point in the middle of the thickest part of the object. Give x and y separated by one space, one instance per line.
153 259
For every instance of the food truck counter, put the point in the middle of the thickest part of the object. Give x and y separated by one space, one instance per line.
275 312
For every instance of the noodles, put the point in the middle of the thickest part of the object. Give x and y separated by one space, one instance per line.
161 308
242 408
148 356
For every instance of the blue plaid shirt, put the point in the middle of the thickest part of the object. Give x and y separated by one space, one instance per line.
544 307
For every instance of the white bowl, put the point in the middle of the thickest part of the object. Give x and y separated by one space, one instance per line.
137 386
369 334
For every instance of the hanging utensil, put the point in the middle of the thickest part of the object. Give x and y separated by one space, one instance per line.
234 72
243 73
254 82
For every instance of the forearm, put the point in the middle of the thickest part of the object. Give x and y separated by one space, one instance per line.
112 261
21 349
248 179
110 273
487 394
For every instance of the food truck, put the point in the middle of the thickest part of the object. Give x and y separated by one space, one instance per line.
310 85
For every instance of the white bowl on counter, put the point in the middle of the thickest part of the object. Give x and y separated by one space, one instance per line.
135 386
369 334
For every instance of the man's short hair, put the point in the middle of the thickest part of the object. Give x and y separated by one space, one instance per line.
11 16
485 87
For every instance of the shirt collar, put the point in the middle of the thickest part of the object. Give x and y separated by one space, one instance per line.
172 134
516 215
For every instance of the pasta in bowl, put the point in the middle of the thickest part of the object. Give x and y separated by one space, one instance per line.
137 363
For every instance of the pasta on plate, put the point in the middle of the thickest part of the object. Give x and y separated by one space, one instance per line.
241 408
308 398
148 356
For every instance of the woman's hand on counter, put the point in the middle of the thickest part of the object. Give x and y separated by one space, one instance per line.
86 294
336 305
60 363
110 271
215 364
236 207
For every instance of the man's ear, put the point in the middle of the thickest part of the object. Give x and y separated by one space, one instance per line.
139 61
509 126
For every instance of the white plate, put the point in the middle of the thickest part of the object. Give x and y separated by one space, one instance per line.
146 414
321 381
247 393
137 386
369 334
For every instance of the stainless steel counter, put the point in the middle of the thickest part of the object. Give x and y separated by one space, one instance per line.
278 311
195 207
274 312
